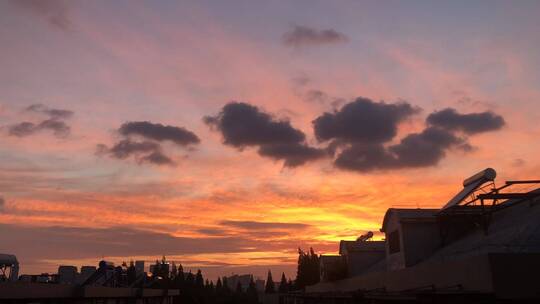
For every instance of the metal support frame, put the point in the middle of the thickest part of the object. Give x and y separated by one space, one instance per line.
498 201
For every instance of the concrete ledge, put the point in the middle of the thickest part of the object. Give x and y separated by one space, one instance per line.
473 274
505 275
20 290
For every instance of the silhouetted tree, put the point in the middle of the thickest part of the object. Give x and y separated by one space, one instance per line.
314 268
219 285
238 287
290 285
190 281
226 287
252 295
180 279
199 281
174 271
270 285
308 269
131 273
283 287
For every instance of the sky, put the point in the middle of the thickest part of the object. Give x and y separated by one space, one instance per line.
226 134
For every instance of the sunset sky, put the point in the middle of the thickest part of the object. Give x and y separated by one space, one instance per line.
226 134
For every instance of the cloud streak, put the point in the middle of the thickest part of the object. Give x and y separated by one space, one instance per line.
159 132
75 242
254 225
143 152
51 112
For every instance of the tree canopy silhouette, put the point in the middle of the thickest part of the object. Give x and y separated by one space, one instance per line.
283 285
308 271
270 286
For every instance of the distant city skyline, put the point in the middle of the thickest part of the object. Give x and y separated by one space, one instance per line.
225 135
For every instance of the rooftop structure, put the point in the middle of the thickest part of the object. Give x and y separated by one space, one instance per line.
411 235
67 274
484 243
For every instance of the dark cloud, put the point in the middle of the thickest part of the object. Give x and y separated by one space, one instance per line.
361 134
2 204
126 148
55 12
363 120
243 125
54 123
364 158
51 112
159 132
211 231
426 148
144 151
468 123
316 96
59 128
305 36
253 225
148 150
413 151
157 158
293 154
22 129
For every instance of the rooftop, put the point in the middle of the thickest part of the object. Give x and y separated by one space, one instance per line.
409 214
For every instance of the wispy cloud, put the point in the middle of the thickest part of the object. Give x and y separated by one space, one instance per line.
254 225
300 36
55 123
149 150
55 12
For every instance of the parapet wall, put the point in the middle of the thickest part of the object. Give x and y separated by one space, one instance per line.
508 275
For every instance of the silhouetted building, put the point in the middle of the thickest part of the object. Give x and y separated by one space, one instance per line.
139 267
483 244
67 274
244 280
360 256
86 272
411 236
332 268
